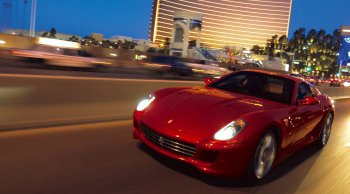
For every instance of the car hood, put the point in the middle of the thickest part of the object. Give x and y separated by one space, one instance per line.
201 111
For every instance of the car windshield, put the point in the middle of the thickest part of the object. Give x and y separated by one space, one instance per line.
259 85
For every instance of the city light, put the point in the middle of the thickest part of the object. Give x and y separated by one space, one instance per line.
58 43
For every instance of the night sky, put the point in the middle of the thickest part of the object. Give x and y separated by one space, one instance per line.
132 17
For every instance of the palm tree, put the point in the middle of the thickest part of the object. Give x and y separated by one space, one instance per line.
283 42
321 35
271 45
311 36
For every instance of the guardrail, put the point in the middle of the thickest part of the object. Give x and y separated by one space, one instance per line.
39 101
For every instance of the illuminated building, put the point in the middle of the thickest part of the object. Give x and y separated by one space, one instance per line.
344 51
225 22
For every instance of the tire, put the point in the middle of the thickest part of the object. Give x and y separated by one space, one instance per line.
264 157
325 131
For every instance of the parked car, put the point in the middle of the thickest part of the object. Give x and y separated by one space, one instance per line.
240 125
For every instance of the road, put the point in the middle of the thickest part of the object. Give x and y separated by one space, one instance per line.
103 158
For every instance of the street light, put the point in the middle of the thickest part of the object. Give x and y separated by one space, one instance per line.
340 67
32 19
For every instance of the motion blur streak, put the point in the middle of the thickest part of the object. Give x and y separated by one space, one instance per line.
96 78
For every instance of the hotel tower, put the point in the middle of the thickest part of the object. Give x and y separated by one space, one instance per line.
241 23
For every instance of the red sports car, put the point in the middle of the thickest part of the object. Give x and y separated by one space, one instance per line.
240 125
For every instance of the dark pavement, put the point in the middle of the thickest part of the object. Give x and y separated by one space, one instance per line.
103 158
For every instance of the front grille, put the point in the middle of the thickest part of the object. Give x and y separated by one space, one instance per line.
175 146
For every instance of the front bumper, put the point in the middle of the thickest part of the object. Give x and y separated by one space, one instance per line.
225 161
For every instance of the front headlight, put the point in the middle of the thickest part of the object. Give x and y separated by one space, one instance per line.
231 130
145 103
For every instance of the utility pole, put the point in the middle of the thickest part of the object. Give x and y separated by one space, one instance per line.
32 19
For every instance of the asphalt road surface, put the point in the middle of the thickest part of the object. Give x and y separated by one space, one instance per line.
103 158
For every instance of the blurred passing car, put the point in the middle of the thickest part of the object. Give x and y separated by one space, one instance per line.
324 81
240 125
184 67
334 82
167 65
204 68
59 53
346 83
313 80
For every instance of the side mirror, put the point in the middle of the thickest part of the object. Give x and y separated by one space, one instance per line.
209 80
309 100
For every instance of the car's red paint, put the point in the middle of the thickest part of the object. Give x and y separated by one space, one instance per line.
194 114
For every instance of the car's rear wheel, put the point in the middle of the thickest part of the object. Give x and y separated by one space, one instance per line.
326 131
264 156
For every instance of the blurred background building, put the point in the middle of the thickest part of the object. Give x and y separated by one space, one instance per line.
225 23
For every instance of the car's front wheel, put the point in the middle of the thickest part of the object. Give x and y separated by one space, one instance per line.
264 156
326 131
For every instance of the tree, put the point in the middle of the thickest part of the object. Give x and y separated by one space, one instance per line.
120 43
73 39
283 42
317 50
45 34
128 44
53 33
167 43
311 36
167 46
108 44
192 44
258 50
271 45
88 40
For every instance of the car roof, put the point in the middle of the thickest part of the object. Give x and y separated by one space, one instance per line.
284 75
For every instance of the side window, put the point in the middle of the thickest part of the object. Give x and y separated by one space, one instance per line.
314 91
303 91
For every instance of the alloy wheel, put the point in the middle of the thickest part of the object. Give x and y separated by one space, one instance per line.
265 155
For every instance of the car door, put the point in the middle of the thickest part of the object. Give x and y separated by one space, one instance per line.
306 117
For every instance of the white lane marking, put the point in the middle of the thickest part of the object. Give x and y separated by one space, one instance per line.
93 78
